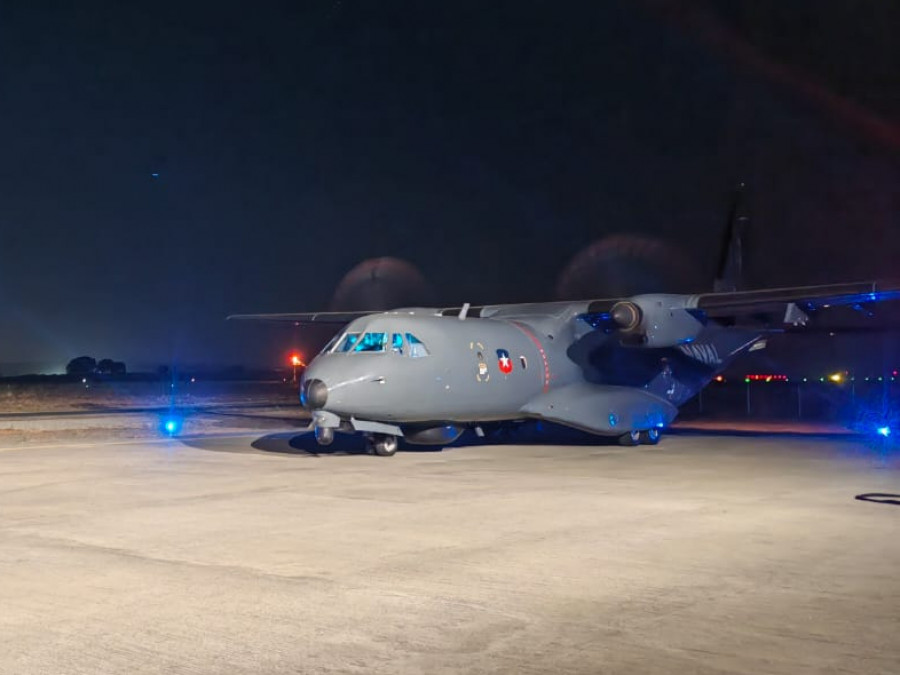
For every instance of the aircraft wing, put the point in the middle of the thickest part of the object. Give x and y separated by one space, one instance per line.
731 304
718 304
806 298
303 318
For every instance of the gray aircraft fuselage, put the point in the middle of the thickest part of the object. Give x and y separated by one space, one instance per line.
466 371
460 378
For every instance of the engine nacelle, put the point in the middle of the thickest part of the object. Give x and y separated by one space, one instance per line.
657 320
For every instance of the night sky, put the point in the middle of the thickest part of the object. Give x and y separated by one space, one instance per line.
162 166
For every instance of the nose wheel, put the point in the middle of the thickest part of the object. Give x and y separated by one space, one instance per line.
383 445
630 439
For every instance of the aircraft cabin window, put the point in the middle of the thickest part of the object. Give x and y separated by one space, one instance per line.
417 348
348 342
371 342
397 343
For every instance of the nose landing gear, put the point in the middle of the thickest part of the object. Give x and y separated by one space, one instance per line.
630 439
383 445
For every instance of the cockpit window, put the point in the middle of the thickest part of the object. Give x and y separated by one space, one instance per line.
417 348
356 343
347 343
371 342
397 343
327 349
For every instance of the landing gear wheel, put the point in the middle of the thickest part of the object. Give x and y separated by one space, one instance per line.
650 437
383 445
630 439
324 435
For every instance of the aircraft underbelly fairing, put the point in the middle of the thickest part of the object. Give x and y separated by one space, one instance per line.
602 409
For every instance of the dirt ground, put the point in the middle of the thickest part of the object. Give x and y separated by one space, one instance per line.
98 396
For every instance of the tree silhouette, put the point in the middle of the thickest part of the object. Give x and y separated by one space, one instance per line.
82 365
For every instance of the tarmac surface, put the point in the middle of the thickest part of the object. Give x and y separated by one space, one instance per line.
246 552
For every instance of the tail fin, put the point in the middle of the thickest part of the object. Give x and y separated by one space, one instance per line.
729 274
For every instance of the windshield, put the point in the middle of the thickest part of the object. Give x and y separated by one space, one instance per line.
327 349
346 344
417 348
397 343
356 343
371 342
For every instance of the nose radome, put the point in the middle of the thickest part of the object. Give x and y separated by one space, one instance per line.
314 394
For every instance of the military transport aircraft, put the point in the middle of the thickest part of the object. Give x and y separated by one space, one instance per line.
613 366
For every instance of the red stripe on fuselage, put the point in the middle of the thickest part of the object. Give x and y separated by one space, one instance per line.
540 348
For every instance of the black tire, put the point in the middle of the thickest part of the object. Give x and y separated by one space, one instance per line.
630 439
650 437
384 445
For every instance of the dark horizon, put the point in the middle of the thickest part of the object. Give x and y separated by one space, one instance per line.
165 166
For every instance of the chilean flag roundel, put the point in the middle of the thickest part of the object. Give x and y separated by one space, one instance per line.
504 361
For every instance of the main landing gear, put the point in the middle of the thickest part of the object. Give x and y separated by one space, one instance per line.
636 437
383 445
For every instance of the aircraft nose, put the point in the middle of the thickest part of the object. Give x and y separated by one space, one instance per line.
314 394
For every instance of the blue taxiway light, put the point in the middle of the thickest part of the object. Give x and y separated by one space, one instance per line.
883 431
171 426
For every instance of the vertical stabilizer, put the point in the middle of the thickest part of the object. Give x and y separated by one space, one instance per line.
730 272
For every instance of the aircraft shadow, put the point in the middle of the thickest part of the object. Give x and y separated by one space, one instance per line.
537 433
879 498
532 432
305 444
